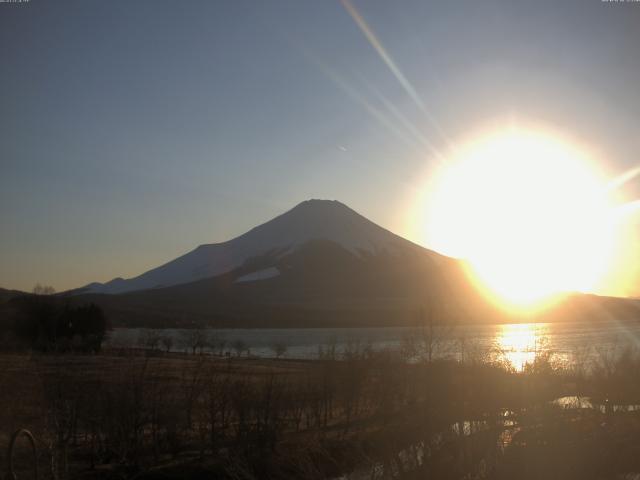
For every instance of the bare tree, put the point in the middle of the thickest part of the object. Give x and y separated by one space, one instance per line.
43 289
428 341
192 384
219 345
329 350
149 339
195 339
62 395
239 346
167 342
278 349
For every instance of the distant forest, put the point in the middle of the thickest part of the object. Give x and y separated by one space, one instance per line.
46 323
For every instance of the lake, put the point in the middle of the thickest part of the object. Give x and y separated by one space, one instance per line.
517 344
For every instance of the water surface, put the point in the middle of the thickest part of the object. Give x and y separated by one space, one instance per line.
516 344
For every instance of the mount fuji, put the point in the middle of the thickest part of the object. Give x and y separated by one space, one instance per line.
318 264
312 220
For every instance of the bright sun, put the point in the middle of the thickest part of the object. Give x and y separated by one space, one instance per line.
529 213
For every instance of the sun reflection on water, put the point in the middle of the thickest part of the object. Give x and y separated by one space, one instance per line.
519 343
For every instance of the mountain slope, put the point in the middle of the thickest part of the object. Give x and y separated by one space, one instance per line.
320 283
310 220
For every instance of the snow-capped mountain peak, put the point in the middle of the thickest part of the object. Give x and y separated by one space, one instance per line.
308 221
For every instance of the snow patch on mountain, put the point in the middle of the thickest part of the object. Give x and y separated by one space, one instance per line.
263 274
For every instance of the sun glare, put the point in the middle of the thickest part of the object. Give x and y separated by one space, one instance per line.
529 214
518 343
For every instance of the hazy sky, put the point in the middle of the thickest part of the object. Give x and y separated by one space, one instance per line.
133 131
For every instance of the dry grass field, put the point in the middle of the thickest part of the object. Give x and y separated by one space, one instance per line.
143 414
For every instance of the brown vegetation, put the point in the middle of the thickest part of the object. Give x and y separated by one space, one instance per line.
365 414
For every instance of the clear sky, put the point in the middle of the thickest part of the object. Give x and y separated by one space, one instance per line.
133 131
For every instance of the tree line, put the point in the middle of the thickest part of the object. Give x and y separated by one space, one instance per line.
47 323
